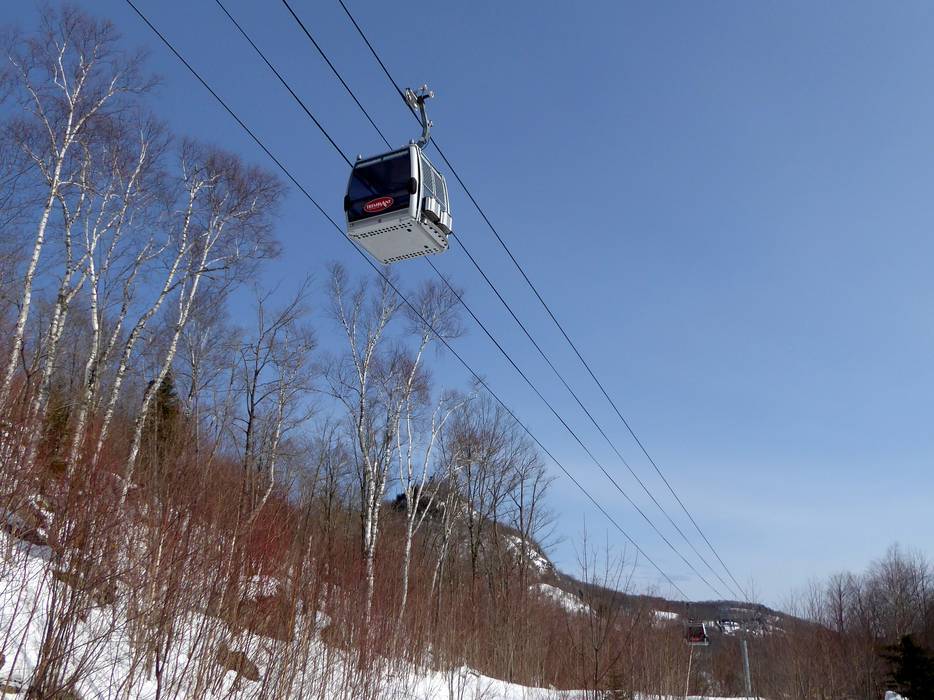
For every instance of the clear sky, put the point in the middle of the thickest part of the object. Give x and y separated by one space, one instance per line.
728 205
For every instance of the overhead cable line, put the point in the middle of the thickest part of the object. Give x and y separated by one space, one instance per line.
547 308
289 88
600 429
570 430
497 344
492 286
408 303
330 65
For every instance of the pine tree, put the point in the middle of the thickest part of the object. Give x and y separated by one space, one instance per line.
166 407
912 669
163 423
56 432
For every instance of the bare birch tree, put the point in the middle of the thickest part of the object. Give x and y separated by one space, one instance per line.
422 489
276 385
375 381
363 382
67 76
224 227
114 251
436 316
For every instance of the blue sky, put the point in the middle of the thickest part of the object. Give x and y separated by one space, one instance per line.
727 204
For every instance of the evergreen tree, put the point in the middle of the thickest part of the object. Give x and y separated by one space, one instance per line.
163 423
56 432
166 407
912 669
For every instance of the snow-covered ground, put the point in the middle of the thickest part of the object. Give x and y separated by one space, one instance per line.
103 651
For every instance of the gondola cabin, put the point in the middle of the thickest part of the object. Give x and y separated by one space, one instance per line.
696 634
397 206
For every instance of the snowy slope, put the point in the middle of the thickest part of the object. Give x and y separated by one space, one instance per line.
24 599
104 655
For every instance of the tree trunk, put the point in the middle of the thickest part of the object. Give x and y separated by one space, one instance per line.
28 279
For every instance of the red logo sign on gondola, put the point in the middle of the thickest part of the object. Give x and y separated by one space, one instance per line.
377 205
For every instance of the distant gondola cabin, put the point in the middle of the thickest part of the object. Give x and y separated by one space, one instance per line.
696 635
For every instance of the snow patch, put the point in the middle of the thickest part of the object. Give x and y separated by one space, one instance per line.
729 627
262 587
538 561
562 598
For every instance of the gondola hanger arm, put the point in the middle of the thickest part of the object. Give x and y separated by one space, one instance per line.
416 100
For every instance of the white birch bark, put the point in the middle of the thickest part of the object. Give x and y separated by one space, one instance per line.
420 495
382 383
233 205
94 235
169 284
86 74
